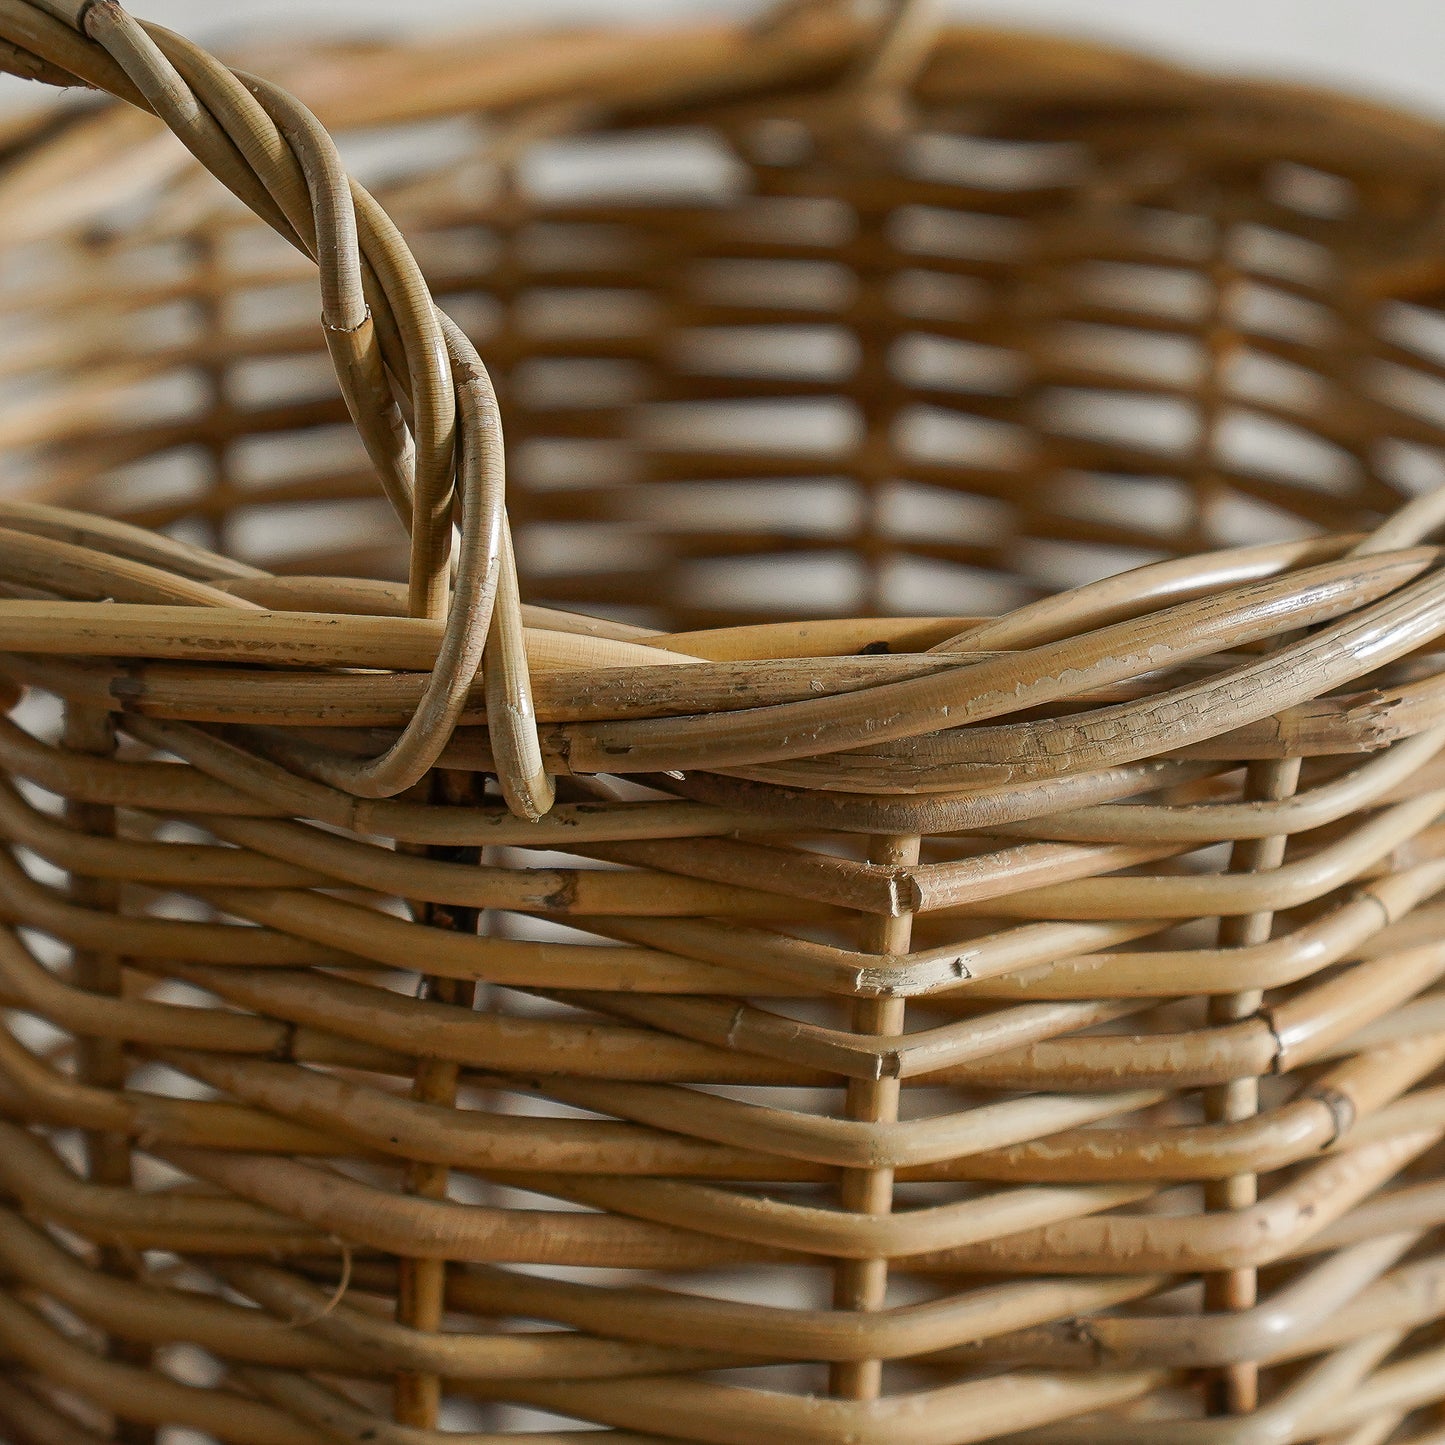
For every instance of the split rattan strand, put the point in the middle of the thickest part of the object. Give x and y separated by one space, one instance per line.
921 930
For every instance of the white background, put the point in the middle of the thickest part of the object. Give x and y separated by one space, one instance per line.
1391 49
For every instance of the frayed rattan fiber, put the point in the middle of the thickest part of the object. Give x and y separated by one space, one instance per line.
920 930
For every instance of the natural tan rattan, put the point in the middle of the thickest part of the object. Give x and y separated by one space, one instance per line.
672 1005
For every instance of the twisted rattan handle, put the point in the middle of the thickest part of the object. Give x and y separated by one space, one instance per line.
385 335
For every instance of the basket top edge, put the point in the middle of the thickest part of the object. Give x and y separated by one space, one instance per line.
352 83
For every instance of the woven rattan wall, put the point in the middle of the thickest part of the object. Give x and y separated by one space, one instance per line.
975 503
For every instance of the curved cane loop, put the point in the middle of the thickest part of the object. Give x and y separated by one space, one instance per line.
385 336
469 619
511 719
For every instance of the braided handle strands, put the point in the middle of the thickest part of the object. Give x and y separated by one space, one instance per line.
980 975
381 327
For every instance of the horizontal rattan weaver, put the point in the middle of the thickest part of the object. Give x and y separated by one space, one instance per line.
935 895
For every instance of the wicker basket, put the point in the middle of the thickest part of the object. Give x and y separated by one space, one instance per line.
1012 1015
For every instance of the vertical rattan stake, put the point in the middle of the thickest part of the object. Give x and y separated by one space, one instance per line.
1235 1391
422 1283
90 733
862 1284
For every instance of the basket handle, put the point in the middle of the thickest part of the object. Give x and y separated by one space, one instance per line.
385 336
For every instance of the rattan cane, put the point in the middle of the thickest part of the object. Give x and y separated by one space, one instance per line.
672 1006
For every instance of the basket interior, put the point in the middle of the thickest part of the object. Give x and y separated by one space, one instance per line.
752 368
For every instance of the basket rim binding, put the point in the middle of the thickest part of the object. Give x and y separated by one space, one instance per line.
378 318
